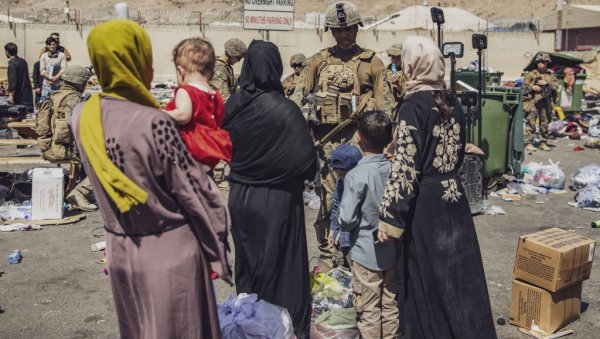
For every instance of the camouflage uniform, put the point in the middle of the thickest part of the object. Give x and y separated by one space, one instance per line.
368 82
293 85
535 105
54 128
224 80
396 84
395 90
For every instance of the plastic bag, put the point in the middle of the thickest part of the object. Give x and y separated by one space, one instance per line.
529 170
586 175
244 317
549 176
331 290
588 196
555 127
592 142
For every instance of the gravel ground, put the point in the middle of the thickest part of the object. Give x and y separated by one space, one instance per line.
60 291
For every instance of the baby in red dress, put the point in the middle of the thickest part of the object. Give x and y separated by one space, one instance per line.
196 107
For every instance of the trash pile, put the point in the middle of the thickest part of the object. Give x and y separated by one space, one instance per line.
163 91
333 311
579 126
245 316
550 267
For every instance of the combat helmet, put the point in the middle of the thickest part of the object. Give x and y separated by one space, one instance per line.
342 14
297 59
542 56
395 50
76 74
235 48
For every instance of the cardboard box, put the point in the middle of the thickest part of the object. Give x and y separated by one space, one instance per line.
553 259
47 193
550 311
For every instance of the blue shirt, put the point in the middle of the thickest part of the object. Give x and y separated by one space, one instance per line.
359 212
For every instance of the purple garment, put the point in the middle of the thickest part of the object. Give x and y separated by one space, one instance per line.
160 254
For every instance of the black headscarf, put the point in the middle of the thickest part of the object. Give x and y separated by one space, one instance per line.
271 140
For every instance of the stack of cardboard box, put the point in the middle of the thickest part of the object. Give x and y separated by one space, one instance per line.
549 269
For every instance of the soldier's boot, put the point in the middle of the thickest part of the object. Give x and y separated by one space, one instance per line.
77 199
530 148
545 147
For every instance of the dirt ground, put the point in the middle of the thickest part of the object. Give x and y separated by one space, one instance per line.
60 291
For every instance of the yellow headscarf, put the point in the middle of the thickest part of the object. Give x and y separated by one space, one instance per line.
121 54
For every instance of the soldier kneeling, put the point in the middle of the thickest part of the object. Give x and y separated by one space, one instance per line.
53 125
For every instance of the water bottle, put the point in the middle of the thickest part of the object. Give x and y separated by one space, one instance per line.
394 69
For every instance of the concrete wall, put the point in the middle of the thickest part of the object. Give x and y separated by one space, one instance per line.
508 52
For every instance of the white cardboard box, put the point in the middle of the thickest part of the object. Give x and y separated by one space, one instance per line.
47 194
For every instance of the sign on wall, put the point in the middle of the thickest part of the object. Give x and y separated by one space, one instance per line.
273 15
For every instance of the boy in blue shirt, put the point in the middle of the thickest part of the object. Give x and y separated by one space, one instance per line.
373 262
343 159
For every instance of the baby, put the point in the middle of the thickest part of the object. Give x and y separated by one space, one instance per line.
196 107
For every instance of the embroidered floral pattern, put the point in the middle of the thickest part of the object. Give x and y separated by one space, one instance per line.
403 173
451 192
446 151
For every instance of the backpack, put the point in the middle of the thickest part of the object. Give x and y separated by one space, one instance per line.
54 134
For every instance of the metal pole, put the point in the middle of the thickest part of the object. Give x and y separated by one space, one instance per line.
452 73
479 101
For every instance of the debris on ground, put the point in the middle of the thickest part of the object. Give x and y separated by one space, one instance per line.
15 257
20 227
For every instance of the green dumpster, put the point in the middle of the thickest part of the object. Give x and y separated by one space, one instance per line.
570 103
470 77
502 131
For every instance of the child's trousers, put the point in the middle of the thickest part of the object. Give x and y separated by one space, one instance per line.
375 302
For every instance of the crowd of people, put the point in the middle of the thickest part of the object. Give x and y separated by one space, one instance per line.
384 145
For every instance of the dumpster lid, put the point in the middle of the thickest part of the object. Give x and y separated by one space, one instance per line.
556 59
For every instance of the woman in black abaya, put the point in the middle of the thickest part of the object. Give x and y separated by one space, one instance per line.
272 156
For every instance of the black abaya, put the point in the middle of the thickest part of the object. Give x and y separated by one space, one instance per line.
446 291
272 155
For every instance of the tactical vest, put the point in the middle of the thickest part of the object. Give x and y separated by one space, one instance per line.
338 89
54 135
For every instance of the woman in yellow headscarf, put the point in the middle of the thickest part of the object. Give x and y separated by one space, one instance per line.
165 219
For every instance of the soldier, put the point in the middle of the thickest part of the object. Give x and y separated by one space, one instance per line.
341 82
53 125
293 85
223 79
395 78
540 89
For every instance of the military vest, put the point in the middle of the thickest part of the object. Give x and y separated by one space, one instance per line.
338 91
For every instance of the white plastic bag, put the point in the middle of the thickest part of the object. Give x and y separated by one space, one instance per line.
549 176
586 175
588 196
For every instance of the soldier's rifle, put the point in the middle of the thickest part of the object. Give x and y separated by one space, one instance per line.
352 118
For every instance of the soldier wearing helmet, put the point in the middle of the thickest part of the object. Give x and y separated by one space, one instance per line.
395 78
342 82
293 84
53 125
540 89
223 79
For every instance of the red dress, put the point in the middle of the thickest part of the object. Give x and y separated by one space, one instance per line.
205 139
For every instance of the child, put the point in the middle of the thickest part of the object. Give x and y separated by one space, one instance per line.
343 159
373 262
195 106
